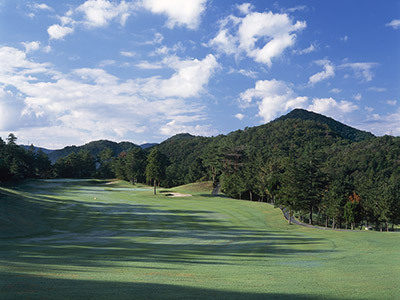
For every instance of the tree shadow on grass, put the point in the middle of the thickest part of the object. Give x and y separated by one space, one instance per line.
22 286
102 234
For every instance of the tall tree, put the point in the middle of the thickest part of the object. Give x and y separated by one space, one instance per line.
155 169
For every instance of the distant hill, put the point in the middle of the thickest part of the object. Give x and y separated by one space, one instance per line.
148 145
300 125
44 150
94 148
343 130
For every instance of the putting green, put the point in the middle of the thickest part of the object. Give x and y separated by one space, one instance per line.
85 239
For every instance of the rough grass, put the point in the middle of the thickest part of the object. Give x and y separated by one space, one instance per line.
85 239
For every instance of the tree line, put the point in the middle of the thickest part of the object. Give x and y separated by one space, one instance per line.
314 172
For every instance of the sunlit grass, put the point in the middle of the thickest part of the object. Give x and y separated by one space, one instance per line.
89 239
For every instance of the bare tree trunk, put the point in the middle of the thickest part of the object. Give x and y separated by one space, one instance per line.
310 219
333 223
290 217
387 226
326 221
155 187
251 196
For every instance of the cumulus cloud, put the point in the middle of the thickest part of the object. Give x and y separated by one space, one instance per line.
328 72
274 98
99 13
96 13
395 24
331 107
357 97
58 32
391 102
277 97
89 103
361 70
311 48
245 8
31 46
41 6
128 53
189 79
335 91
179 12
239 116
276 32
382 124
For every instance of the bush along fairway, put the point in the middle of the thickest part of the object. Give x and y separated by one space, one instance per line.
91 239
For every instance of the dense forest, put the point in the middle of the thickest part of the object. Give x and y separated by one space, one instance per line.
317 169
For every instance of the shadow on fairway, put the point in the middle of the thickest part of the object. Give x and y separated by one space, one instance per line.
17 286
98 234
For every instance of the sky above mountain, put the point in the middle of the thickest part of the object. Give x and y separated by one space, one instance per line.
76 71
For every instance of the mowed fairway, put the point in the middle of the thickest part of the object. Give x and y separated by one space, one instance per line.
77 239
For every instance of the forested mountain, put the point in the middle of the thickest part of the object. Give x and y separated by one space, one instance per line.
94 148
323 171
343 130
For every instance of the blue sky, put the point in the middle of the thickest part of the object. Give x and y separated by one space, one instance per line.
141 71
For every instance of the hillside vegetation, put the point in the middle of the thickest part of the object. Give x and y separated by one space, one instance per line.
320 170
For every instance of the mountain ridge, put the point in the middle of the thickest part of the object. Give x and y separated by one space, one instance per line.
95 147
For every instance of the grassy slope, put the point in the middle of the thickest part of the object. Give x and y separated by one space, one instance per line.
91 240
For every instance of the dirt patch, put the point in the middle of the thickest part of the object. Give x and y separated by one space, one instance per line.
173 194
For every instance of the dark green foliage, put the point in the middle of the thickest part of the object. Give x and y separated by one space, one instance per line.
307 163
155 168
17 163
343 130
94 148
80 165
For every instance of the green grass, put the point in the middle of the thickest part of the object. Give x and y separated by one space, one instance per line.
76 239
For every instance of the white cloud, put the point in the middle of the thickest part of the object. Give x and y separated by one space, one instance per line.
88 104
31 46
99 13
344 38
392 102
296 8
311 48
357 97
57 32
377 89
275 98
335 91
383 124
128 53
174 127
331 107
164 50
41 6
328 72
239 116
148 65
247 73
395 24
107 62
245 8
179 12
238 35
361 70
189 79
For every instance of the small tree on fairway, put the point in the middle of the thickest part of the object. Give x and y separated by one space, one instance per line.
155 169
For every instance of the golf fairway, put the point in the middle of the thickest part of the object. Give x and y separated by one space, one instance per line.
87 239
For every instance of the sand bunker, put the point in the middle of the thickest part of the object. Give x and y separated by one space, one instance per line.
173 194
